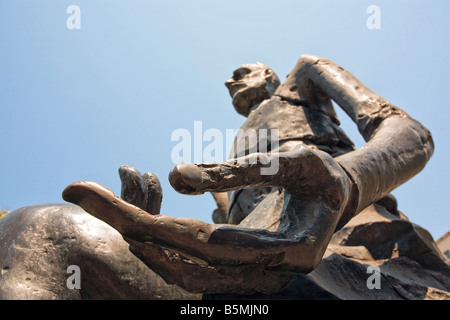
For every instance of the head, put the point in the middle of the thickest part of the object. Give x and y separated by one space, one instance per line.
250 85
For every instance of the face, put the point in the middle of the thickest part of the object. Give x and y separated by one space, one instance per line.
250 85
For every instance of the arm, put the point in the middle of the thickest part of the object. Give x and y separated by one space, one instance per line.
398 147
286 234
290 232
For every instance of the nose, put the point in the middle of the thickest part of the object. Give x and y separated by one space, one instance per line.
228 83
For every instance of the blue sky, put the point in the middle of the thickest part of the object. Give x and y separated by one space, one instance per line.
78 104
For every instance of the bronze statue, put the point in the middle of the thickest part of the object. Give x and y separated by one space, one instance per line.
320 185
310 229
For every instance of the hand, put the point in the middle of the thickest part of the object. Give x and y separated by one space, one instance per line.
303 171
143 191
205 258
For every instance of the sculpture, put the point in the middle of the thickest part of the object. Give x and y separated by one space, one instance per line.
325 213
289 230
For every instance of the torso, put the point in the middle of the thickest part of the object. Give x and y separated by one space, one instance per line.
296 125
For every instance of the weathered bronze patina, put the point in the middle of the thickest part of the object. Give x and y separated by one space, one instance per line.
320 185
311 229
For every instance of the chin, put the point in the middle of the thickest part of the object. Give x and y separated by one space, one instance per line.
241 105
245 98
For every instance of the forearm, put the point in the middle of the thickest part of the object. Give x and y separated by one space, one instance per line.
313 76
397 151
398 147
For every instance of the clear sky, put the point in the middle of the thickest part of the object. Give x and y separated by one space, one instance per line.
77 104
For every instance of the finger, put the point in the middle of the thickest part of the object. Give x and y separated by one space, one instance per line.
188 234
153 193
257 169
101 202
219 177
132 189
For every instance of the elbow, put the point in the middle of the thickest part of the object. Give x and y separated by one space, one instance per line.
427 141
409 133
424 139
309 58
307 61
414 140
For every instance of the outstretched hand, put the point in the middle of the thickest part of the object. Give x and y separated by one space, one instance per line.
287 233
